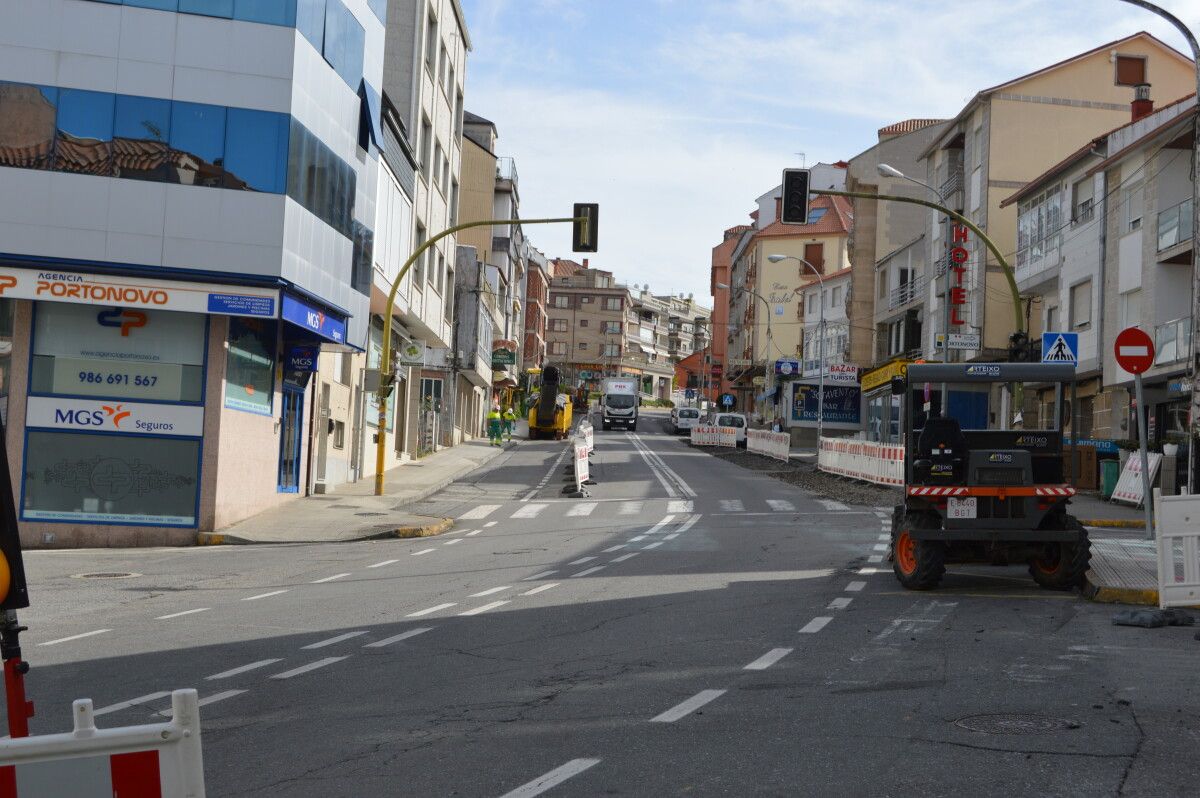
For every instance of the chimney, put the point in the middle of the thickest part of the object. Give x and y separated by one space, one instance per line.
1142 106
585 262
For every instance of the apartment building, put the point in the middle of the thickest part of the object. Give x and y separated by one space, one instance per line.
687 325
476 325
589 315
537 296
188 221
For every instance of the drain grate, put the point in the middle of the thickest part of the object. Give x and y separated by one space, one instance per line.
370 513
1015 723
106 575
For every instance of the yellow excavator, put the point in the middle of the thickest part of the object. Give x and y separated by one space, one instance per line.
550 413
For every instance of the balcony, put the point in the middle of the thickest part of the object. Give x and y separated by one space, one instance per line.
1175 225
506 169
907 292
1172 340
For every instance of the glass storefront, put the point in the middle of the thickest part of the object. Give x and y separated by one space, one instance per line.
250 365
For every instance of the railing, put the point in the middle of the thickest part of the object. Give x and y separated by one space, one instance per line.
1175 225
907 292
1172 340
506 169
955 183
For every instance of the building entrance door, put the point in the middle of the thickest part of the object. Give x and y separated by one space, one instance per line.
291 430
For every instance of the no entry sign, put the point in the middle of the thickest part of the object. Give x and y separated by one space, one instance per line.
1134 350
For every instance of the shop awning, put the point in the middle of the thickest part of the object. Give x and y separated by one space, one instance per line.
318 321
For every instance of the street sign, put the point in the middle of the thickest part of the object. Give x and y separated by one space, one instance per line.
1060 347
738 361
787 367
689 393
1134 350
412 353
960 342
727 400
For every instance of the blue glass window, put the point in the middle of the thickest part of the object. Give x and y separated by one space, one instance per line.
256 150
198 144
320 181
209 8
85 130
270 12
141 132
27 135
161 5
344 42
379 9
310 21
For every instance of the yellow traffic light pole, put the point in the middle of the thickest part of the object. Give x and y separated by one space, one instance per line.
386 375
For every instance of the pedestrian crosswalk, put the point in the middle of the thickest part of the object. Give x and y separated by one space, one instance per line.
781 505
633 511
732 506
529 510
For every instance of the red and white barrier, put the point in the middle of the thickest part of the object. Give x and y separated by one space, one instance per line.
1129 485
1178 533
157 760
881 463
772 444
709 435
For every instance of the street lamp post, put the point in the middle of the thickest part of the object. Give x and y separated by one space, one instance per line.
820 341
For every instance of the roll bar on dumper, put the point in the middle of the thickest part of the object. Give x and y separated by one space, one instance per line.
996 496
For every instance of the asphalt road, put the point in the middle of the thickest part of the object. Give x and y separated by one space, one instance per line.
693 628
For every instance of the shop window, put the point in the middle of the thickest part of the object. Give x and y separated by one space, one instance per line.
256 150
141 130
198 139
118 353
121 479
250 365
374 357
27 138
85 131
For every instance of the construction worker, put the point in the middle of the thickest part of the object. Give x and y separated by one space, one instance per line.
495 425
510 420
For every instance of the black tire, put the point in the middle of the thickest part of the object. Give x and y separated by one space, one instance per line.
633 427
605 426
1064 565
917 564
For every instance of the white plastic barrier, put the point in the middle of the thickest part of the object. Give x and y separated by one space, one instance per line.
1178 533
586 429
1129 486
582 474
881 463
709 435
772 444
157 760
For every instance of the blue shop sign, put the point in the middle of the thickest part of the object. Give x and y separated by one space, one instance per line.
313 319
303 358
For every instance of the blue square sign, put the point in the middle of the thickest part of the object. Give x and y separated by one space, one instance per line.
1060 347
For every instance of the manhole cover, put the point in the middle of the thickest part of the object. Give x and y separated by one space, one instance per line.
106 575
1010 723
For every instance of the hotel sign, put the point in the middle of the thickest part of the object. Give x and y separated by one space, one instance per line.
958 259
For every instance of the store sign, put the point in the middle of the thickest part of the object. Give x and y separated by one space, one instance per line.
303 358
504 353
162 381
883 375
841 403
103 415
787 367
313 319
137 292
841 374
958 257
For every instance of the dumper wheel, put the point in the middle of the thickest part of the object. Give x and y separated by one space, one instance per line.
918 564
1063 566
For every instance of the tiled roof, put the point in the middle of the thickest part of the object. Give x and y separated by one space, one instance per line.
840 221
908 126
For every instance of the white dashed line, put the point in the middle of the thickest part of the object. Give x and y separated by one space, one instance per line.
653 545
636 539
482 511
332 640
581 561
540 588
473 534
583 508
839 603
536 577
490 524
74 637
688 707
829 504
422 551
587 571
885 537
253 666
875 558
493 605
551 779
781 505
881 547
133 702
431 610
312 666
328 579
668 519
387 641
381 564
768 659
452 542
617 547
870 571
688 524
529 510
732 506
679 506
625 557
203 702
490 591
816 625
264 595
181 614
854 587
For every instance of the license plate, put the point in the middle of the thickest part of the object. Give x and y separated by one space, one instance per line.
962 508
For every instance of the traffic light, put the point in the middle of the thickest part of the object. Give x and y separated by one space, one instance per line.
795 197
1018 348
584 230
13 593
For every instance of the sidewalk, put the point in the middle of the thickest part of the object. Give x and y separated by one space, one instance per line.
355 513
1091 510
1124 568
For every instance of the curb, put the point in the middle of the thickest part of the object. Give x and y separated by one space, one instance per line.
435 527
1113 523
1105 594
422 531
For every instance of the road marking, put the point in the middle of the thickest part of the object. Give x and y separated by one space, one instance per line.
688 524
666 520
875 558
473 534
829 504
385 562
489 591
74 637
587 571
839 603
584 508
312 666
854 587
328 579
133 702
493 605
332 640
870 571
203 702
181 614
452 542
490 524
653 545
549 474
611 549
551 779
433 609
625 557
630 508
687 707
581 561
253 666
529 510
781 505
387 641
671 536
768 659
482 511
639 537
540 588
653 459
881 547
536 577
264 595
679 506
422 551
886 537
732 506
816 625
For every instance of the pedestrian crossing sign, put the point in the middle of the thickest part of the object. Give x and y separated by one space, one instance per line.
1060 347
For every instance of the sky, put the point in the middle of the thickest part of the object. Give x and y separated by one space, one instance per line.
675 115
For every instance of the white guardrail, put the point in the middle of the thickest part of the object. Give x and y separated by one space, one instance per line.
881 463
1178 533
708 435
157 760
772 444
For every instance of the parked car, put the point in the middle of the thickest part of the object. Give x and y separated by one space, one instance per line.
683 419
735 420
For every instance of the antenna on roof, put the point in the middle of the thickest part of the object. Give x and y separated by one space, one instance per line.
803 159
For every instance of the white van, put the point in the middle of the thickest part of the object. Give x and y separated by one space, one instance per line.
735 420
684 418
